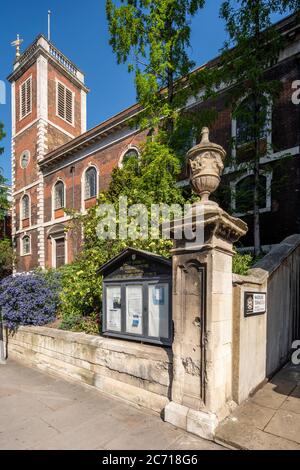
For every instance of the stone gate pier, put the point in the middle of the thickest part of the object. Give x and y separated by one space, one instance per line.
201 390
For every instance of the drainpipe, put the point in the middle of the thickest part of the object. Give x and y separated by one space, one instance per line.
72 171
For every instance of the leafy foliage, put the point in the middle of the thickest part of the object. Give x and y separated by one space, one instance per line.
242 263
81 296
152 180
29 299
252 46
6 258
153 37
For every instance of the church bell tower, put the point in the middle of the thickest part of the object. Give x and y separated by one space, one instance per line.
48 110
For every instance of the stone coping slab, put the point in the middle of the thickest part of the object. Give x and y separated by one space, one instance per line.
139 350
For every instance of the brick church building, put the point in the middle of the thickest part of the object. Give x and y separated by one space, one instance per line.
58 164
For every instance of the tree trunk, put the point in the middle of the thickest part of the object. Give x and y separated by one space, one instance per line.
257 135
170 121
256 221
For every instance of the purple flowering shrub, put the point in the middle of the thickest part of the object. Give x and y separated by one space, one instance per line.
29 299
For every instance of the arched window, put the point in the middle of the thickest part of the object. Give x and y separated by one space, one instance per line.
244 194
59 195
25 207
26 245
130 155
90 183
249 122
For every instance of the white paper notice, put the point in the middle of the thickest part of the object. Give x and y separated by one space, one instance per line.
113 308
159 311
134 310
259 304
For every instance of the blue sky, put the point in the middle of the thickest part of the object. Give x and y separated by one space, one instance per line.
79 30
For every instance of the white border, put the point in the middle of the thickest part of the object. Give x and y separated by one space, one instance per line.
130 147
53 198
21 210
83 199
268 207
269 127
26 235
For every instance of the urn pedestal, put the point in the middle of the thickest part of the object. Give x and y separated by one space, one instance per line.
202 304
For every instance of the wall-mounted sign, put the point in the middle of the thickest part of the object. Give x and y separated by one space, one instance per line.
137 302
255 303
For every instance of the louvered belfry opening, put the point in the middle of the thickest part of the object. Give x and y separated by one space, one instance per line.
64 103
26 98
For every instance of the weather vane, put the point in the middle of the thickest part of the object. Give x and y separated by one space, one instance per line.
17 43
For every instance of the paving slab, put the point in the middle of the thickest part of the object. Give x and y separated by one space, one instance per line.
252 414
41 412
270 420
247 437
273 395
285 424
292 403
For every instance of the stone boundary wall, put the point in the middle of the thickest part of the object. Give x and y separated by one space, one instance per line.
248 338
262 344
283 323
135 372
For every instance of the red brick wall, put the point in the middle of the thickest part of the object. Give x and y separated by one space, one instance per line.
56 138
105 160
26 141
27 263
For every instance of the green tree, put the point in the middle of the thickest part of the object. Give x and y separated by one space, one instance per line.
6 258
151 180
153 36
252 46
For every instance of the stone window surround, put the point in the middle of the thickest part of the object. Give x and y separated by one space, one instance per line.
53 197
83 198
22 245
268 207
234 128
22 211
130 147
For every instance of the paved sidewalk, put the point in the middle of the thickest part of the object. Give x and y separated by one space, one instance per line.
270 420
40 412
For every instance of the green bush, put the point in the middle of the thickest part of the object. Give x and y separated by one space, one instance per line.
6 258
151 180
80 297
242 263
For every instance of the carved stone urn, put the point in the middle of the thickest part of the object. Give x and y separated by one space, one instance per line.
206 165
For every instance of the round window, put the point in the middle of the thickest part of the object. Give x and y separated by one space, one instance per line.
25 159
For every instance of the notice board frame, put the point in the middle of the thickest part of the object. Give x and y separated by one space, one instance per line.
145 283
